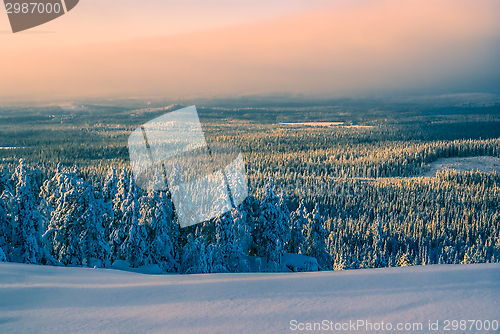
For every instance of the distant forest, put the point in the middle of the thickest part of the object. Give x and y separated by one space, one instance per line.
346 196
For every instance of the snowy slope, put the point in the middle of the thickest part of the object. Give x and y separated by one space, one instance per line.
43 299
482 163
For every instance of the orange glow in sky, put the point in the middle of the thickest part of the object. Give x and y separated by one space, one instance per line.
150 48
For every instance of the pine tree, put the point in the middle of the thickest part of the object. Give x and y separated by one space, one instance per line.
133 247
227 255
51 192
53 188
378 258
243 226
27 234
110 188
77 224
123 189
7 195
194 255
157 220
185 210
298 223
273 225
285 211
173 228
3 257
5 181
5 232
316 236
117 230
93 239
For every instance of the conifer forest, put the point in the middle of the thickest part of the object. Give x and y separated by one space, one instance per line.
350 194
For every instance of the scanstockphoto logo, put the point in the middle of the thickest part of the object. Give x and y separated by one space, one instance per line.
170 153
28 14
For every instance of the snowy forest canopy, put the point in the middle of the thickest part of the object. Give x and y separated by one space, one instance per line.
64 220
344 196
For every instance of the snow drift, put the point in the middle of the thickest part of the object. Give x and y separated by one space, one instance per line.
46 299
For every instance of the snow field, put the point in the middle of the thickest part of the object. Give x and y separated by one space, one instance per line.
44 299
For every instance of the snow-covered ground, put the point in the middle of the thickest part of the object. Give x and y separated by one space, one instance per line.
327 124
43 299
483 163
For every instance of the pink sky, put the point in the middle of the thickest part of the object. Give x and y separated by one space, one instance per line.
230 48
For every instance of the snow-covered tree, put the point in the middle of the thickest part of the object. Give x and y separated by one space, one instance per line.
316 236
27 234
134 246
5 180
298 223
226 253
194 255
32 181
93 239
53 189
286 220
158 222
243 226
117 230
8 201
77 224
51 192
174 228
110 187
5 232
378 258
128 236
122 191
272 235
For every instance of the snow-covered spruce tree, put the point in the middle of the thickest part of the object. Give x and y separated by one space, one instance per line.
316 236
117 231
272 229
378 259
108 194
5 180
5 232
76 227
122 191
110 187
3 257
34 180
208 231
133 247
298 223
227 255
7 195
53 188
27 235
174 228
51 192
26 241
286 215
93 239
158 221
243 226
194 255
338 252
